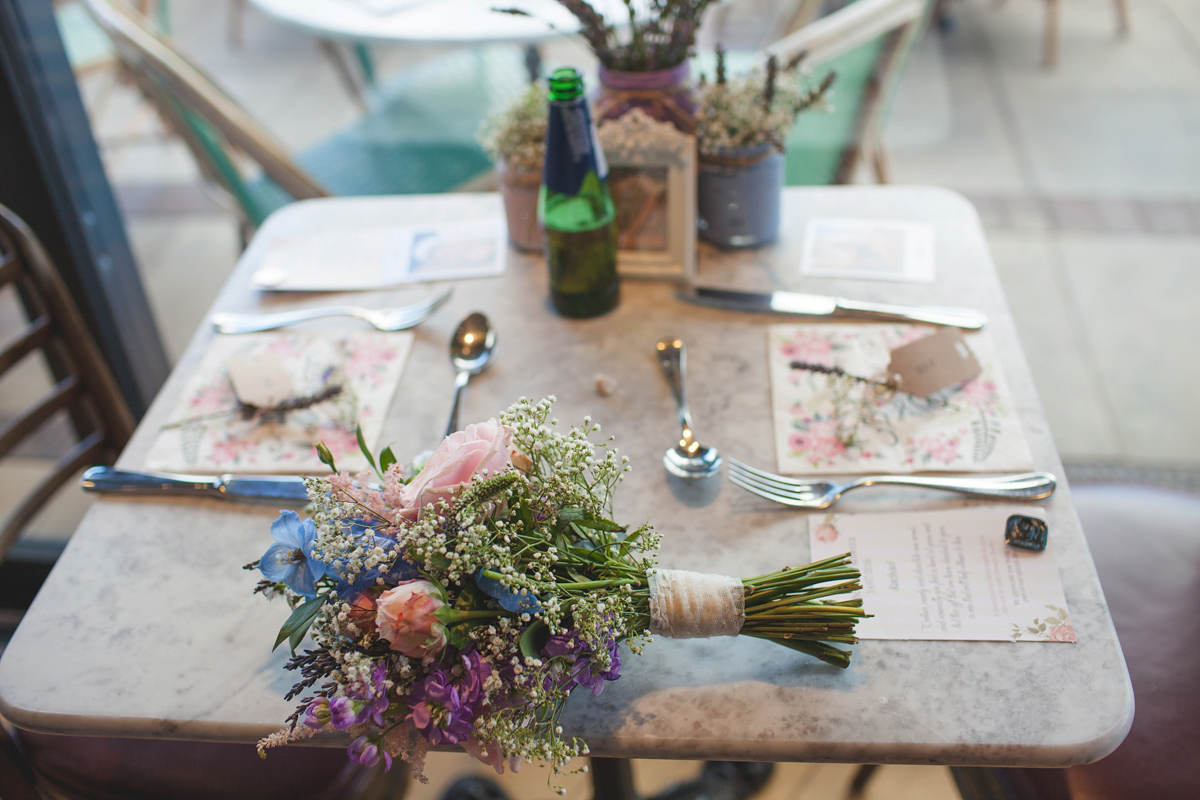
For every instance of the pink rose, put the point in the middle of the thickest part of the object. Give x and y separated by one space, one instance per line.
825 533
405 617
799 442
459 458
1061 633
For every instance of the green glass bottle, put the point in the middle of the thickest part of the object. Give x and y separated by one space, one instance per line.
575 207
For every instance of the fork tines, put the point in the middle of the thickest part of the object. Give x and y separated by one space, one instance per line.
769 485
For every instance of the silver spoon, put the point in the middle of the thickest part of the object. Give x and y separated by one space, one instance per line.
471 350
688 459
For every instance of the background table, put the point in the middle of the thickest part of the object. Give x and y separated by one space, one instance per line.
428 21
147 626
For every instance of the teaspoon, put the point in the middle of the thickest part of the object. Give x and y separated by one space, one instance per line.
688 459
471 351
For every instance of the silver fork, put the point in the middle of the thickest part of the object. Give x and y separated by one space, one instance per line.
822 494
385 319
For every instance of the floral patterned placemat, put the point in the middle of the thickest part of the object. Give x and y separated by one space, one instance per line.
339 379
948 575
837 424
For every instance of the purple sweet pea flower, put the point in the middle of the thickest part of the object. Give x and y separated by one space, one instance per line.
436 709
470 686
366 750
290 560
575 666
318 714
362 702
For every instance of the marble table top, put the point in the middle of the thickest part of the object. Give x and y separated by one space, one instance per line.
147 626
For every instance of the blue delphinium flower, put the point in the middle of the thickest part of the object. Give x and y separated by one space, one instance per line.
509 600
396 572
290 560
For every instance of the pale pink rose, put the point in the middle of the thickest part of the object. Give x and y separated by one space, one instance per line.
825 533
940 447
405 618
799 442
494 757
826 443
1061 633
813 349
978 392
458 459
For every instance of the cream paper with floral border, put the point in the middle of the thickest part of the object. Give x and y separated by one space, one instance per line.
948 575
832 425
207 434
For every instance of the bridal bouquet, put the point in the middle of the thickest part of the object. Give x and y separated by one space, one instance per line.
461 605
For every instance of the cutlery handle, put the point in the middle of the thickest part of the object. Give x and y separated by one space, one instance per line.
226 322
672 357
1026 486
109 480
967 318
460 385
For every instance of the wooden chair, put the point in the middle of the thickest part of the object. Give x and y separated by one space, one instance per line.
84 399
84 407
1050 37
420 139
867 43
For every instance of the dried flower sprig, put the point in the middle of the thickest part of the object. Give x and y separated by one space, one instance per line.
660 34
757 109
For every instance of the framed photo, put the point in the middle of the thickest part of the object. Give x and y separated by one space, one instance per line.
652 178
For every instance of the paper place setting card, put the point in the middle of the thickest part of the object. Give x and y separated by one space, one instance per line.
378 256
948 575
876 249
262 402
837 408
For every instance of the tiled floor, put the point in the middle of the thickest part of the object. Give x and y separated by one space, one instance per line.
1087 179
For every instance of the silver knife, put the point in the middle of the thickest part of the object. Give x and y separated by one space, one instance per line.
815 305
285 490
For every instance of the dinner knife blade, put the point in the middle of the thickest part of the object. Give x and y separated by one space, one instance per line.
814 305
275 489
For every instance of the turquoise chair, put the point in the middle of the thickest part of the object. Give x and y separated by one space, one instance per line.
420 139
868 43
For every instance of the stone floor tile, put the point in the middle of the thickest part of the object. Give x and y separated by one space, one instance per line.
1063 369
1138 302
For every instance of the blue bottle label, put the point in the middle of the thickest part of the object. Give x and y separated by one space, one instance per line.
572 150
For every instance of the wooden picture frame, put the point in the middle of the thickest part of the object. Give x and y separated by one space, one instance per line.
652 178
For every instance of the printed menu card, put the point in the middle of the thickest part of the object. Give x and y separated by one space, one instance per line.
371 257
834 413
948 575
262 402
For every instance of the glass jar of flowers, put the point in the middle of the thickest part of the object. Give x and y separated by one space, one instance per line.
741 127
515 139
643 53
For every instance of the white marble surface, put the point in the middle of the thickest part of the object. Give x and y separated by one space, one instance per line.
147 626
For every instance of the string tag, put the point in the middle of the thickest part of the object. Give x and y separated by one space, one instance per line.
932 363
260 382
